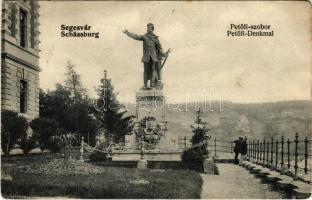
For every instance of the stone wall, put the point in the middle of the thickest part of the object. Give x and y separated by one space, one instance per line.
20 62
11 74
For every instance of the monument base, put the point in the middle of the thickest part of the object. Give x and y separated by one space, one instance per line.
209 166
142 164
150 155
150 103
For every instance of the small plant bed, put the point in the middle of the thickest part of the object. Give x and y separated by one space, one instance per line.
61 167
51 178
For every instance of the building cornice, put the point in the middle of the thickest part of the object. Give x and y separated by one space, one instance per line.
24 49
18 60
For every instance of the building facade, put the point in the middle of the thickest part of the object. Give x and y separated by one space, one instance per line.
20 57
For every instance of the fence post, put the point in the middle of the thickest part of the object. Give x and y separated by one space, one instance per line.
272 145
215 144
231 143
268 151
260 152
288 153
263 152
254 150
276 153
263 159
248 149
306 155
296 155
282 151
184 142
81 149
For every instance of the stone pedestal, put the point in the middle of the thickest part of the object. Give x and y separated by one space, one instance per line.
131 142
209 166
142 164
151 103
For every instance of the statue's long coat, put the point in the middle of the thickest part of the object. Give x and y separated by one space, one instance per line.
151 46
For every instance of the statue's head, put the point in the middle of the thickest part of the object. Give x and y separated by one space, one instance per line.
150 27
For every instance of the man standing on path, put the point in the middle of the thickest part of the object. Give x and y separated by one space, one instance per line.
237 149
243 150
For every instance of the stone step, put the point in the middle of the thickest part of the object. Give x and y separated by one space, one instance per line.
299 184
264 171
245 163
256 169
272 176
285 182
301 189
302 192
251 166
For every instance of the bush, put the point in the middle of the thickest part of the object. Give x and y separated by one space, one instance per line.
43 129
194 155
96 156
13 127
27 144
198 152
62 140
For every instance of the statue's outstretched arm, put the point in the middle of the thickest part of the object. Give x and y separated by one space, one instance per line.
134 36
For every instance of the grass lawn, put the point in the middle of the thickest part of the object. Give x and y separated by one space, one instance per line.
113 182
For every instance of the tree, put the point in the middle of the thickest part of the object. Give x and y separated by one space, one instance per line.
111 113
198 151
72 116
55 104
13 127
73 83
200 132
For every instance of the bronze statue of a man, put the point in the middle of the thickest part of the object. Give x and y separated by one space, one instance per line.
152 55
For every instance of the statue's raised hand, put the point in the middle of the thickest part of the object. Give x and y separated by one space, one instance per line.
126 31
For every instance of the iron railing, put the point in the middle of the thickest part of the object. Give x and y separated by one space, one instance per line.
282 154
275 153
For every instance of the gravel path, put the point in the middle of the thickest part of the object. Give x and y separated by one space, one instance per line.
235 182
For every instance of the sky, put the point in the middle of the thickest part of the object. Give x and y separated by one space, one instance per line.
205 63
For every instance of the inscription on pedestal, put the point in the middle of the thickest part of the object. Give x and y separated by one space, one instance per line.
150 103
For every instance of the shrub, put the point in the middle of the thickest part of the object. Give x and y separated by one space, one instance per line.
97 156
198 152
194 155
43 129
13 127
62 140
27 144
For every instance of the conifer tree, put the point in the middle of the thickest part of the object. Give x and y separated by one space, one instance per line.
199 149
111 113
200 132
73 83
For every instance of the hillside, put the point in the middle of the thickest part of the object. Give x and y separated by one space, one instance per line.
254 120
